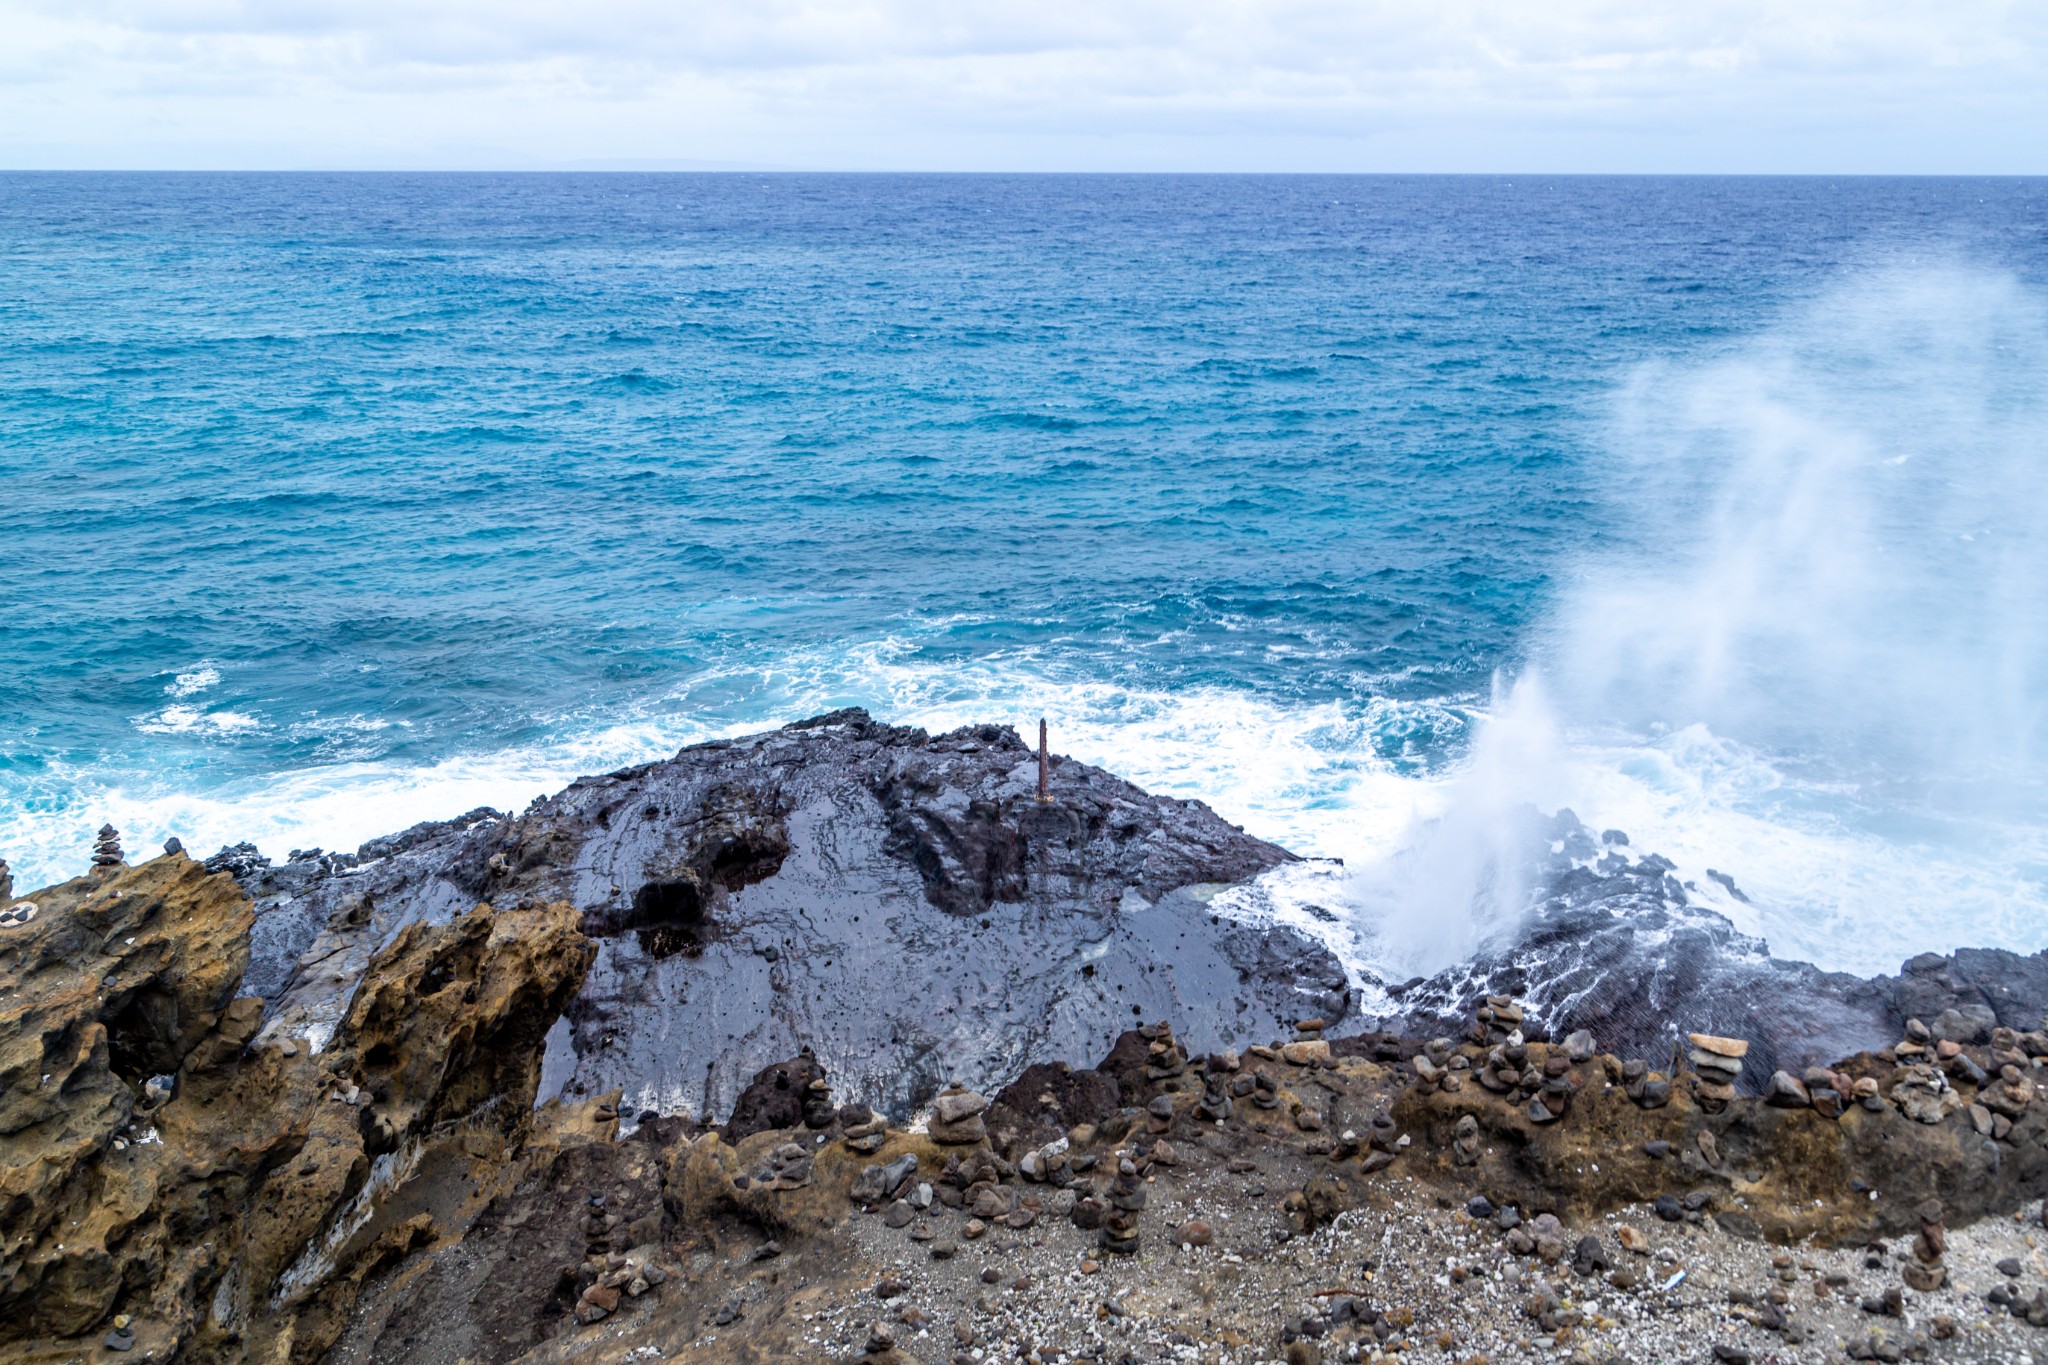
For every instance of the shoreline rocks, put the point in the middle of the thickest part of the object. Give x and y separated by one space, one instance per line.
356 1155
900 902
584 1226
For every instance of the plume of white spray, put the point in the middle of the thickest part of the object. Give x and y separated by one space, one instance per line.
1831 576
1465 871
1844 564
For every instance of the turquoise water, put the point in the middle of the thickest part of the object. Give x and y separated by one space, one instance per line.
335 502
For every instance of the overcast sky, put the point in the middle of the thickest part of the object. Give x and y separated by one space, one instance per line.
1284 85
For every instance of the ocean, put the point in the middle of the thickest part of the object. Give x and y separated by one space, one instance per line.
1366 509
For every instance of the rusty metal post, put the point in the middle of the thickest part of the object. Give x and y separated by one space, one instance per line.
1044 767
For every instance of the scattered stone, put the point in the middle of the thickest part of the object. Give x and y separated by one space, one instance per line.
881 1181
957 1117
1313 1053
1590 1257
1786 1091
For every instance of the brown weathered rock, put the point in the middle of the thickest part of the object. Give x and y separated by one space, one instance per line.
249 1217
1806 1165
1306 1053
1737 1048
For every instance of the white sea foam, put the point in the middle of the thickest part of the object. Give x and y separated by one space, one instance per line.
186 720
193 681
333 806
1307 776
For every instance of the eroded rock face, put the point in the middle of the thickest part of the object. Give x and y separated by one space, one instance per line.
121 977
898 902
229 1195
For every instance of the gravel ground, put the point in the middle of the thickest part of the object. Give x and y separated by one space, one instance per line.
1423 1283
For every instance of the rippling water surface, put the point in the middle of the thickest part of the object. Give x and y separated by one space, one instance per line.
330 503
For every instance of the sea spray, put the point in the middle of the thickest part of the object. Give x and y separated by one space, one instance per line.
1465 871
1842 563
1818 667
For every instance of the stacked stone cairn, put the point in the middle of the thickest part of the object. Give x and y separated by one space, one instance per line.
864 1130
608 1274
2014 1054
1465 1144
956 1117
819 1112
1716 1063
1649 1089
106 851
1543 1084
1119 1232
1258 1086
1925 1272
1554 1095
1922 1092
1933 1059
1218 1071
13 916
1165 1058
1498 1016
1308 1047
1439 1066
1507 1054
1386 1140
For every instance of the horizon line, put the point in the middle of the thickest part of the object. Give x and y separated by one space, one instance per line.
885 171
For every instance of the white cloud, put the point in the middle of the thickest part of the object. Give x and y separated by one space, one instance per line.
1204 84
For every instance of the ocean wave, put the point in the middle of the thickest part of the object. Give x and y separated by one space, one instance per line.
188 720
193 681
1343 782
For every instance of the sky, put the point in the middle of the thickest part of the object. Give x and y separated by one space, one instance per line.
1767 86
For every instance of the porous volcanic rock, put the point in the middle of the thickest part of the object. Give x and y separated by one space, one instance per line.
228 1195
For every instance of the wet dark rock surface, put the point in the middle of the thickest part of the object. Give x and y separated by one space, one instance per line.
900 903
1619 946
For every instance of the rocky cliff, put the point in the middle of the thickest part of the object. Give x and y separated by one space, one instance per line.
451 1097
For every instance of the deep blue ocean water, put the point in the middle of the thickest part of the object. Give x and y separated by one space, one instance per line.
329 503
